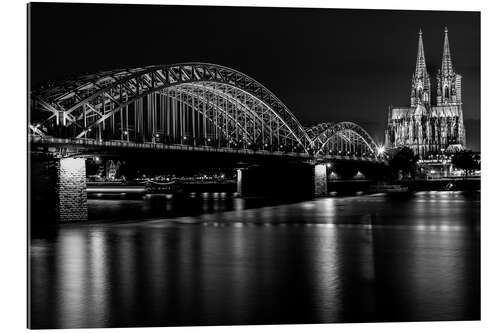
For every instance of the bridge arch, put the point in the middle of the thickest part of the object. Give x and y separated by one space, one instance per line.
342 138
187 103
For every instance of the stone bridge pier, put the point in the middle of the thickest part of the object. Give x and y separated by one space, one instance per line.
58 190
59 193
320 180
297 180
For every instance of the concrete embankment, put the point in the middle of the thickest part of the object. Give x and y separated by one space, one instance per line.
372 186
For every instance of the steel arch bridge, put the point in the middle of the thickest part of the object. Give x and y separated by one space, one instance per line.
190 103
342 139
187 104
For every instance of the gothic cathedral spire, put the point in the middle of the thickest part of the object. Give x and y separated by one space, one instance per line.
420 68
421 85
446 65
449 83
424 127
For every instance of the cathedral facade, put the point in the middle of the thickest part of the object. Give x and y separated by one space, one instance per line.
429 126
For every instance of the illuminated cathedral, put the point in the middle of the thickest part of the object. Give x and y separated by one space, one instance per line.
429 129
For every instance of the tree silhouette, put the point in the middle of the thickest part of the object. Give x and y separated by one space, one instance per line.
404 160
466 161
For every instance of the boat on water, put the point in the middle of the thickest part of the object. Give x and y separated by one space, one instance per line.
113 188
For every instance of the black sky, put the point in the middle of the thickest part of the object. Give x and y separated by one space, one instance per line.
324 64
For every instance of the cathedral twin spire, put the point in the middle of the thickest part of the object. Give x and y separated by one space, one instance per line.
446 66
421 68
421 85
448 82
428 128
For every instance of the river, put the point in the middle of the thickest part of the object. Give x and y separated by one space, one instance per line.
212 259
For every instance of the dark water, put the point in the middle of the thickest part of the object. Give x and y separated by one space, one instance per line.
365 258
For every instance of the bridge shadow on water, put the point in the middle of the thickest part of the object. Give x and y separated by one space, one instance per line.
109 210
194 204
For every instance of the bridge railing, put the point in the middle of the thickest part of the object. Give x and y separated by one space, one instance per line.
159 146
85 142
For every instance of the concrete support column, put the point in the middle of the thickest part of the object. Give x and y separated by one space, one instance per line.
320 180
276 180
239 182
71 194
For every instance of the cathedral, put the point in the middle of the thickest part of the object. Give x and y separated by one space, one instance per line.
429 126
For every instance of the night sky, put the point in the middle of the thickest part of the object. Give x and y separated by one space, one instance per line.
324 64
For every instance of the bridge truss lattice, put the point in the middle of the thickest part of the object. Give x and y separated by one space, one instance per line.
195 104
342 139
192 103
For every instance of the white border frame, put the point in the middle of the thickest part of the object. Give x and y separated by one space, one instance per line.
13 136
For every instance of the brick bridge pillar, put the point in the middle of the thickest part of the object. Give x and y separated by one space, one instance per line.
71 194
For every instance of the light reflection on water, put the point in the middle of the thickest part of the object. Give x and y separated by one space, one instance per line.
365 258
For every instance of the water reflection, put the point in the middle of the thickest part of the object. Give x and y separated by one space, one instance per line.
71 275
363 258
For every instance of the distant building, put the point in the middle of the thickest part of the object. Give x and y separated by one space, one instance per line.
429 129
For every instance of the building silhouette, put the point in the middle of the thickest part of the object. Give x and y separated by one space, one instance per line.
429 126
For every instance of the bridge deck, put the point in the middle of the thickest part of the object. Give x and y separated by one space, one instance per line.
82 142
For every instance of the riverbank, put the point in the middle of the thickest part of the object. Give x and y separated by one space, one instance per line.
403 186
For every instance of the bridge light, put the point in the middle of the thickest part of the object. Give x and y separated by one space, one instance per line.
125 132
328 165
380 150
